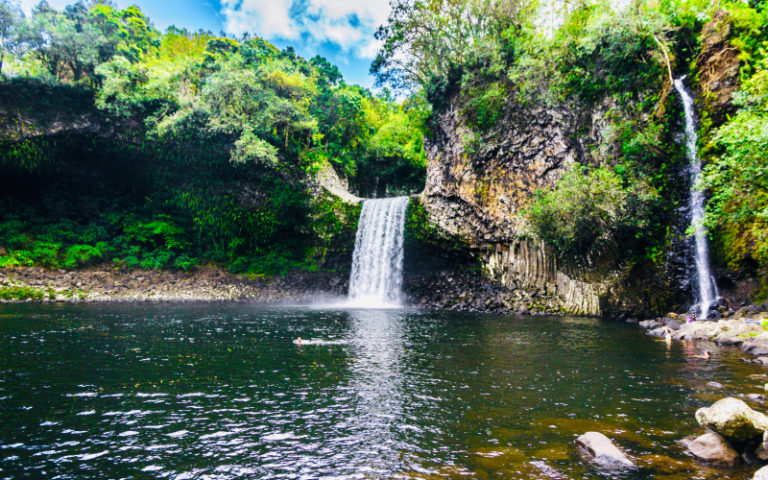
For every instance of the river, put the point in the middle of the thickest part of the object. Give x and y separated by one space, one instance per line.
222 391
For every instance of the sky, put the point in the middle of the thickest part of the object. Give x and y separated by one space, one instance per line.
340 30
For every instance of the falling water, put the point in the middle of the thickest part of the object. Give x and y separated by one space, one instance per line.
707 287
377 263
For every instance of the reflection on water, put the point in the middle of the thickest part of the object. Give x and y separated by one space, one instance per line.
221 391
377 382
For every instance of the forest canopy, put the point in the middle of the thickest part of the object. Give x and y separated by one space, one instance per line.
168 149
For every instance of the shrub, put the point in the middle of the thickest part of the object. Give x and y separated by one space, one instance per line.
592 212
20 293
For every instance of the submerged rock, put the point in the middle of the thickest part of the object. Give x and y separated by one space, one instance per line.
600 450
733 419
713 449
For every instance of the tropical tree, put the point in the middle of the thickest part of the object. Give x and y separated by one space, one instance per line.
11 19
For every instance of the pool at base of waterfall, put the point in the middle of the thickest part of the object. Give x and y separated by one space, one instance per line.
224 391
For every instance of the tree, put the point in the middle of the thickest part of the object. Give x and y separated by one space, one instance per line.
11 19
67 45
425 40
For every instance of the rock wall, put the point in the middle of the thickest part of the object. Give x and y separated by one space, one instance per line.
477 188
479 198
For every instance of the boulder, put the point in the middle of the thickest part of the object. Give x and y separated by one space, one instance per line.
761 452
713 449
673 324
733 419
658 332
600 450
650 324
761 474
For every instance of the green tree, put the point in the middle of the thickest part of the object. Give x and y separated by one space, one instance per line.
67 44
11 21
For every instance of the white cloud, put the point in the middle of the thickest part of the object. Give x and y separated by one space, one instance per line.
350 24
266 18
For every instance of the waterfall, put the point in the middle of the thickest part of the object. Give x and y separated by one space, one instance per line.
707 288
377 262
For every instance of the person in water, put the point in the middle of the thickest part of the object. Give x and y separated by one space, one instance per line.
691 315
706 355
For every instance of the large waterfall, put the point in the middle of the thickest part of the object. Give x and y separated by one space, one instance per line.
707 288
377 263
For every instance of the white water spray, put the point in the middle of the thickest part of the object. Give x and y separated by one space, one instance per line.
707 287
377 263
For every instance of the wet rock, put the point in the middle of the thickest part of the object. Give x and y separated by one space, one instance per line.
761 452
761 474
658 332
713 449
761 360
673 325
601 451
650 324
733 419
717 385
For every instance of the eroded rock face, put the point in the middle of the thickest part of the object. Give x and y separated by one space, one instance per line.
713 449
733 419
477 189
719 65
479 198
600 450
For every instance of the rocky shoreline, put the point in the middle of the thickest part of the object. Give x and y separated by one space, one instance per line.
746 329
102 284
456 291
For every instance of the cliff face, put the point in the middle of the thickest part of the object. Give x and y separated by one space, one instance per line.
479 195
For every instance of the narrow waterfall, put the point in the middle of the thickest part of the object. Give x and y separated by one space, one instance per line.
377 263
707 288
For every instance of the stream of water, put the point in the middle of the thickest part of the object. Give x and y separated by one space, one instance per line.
707 290
204 391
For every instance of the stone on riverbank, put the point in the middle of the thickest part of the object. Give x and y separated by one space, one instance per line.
713 449
600 450
761 474
733 419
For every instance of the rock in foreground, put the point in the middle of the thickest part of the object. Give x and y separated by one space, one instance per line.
761 474
733 419
713 449
600 450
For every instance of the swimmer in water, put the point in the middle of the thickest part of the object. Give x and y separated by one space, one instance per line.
706 355
298 341
668 337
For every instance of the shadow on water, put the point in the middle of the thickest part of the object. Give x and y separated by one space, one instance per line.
221 390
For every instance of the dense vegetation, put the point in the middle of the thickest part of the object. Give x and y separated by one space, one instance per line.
123 144
617 61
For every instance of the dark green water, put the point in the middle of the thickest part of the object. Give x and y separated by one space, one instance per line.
220 391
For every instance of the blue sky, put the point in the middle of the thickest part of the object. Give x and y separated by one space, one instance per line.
340 30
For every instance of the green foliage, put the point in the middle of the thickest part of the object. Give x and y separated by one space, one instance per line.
205 150
737 176
591 212
12 293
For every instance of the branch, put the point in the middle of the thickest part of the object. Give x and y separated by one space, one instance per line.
666 58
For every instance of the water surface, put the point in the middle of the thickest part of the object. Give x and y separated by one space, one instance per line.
221 391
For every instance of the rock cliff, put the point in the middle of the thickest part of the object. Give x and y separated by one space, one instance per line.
479 194
479 198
